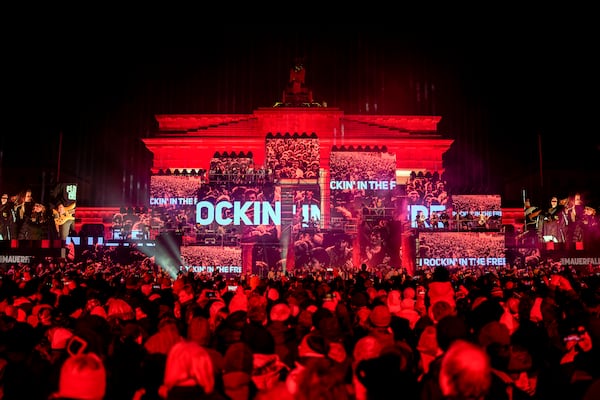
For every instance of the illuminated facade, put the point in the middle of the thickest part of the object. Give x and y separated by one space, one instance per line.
188 144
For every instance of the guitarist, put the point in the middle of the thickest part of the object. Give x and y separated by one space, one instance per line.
482 221
64 219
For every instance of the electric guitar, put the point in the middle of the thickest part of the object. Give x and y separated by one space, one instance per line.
67 215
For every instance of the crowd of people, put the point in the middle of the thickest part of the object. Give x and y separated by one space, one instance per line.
101 329
104 327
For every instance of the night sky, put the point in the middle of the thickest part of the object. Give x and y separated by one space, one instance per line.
514 99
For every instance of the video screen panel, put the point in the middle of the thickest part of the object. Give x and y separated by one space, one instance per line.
211 259
317 249
307 207
293 157
460 249
174 191
233 169
426 188
364 202
473 211
362 183
253 213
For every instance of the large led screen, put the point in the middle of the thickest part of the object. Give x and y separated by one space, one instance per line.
212 259
460 249
364 200
295 157
476 211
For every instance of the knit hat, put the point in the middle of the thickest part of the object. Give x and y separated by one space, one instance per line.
239 302
366 347
154 296
82 377
380 316
280 312
119 308
313 345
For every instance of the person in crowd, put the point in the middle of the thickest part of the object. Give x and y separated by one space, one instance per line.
465 372
23 209
189 373
283 332
574 211
237 372
440 287
384 374
7 218
553 223
448 330
82 377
